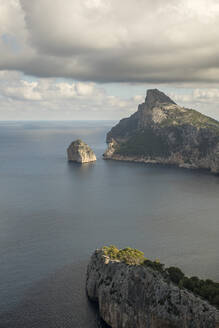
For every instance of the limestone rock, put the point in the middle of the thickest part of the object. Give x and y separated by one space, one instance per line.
80 152
163 132
136 296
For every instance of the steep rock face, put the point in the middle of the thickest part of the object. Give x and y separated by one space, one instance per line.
163 132
80 152
136 296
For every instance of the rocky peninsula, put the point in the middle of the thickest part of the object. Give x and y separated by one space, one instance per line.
163 132
132 291
80 152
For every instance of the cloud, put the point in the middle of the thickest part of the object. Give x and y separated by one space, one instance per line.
23 98
172 41
27 99
57 60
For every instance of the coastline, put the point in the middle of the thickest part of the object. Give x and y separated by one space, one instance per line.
161 161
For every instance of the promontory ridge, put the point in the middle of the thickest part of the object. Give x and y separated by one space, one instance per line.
163 132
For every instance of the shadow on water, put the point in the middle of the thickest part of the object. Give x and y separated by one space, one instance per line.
58 301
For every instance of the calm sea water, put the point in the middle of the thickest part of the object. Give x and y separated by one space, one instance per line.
54 214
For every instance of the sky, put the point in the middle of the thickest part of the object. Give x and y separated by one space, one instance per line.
95 59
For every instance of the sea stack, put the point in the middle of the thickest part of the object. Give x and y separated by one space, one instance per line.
163 132
136 295
80 152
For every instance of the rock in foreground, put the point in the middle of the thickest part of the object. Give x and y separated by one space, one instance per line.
137 296
163 132
80 152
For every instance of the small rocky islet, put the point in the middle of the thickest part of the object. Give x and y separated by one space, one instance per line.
79 152
132 291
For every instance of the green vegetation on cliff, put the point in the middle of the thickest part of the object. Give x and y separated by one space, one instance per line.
206 289
185 116
144 143
128 255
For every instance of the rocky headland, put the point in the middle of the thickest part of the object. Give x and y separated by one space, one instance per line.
80 152
163 132
132 291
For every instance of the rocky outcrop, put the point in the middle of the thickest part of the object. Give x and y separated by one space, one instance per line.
80 152
136 296
163 132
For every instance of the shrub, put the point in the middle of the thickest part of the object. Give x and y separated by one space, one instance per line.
175 274
128 255
207 289
155 265
111 251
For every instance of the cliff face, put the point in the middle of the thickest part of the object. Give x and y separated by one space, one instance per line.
136 296
80 152
163 132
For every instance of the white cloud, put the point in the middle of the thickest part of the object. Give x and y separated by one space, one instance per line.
23 91
52 99
22 98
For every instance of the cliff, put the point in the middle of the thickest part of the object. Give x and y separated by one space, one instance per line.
163 132
80 152
133 295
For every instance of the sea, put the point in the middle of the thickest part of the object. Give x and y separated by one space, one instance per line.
54 214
